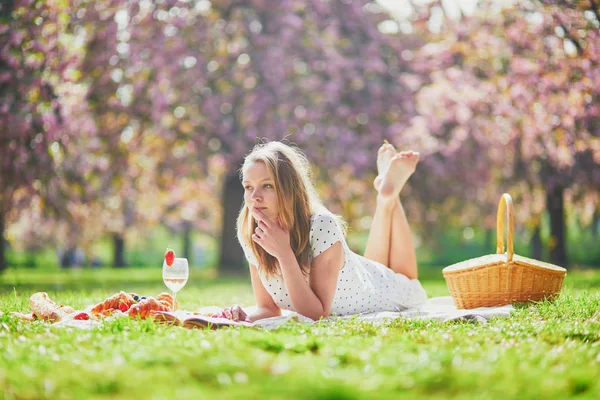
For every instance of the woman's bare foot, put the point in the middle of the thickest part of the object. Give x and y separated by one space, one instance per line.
401 167
384 156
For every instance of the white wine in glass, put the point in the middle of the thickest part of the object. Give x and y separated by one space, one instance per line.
175 275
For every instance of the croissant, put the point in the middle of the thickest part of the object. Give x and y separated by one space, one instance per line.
147 307
112 303
167 298
46 309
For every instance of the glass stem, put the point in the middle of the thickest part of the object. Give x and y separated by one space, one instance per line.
174 293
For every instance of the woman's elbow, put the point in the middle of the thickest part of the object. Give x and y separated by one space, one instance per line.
316 316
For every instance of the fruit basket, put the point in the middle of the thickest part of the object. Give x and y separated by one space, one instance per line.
505 277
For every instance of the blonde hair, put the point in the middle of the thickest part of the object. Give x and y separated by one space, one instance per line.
297 198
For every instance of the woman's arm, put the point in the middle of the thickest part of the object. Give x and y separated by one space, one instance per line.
265 306
314 298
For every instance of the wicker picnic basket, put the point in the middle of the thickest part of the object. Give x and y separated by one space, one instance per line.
502 278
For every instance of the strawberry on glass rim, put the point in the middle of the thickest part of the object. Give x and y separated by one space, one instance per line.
175 273
169 257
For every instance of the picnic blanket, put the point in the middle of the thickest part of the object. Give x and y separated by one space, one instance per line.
436 308
440 309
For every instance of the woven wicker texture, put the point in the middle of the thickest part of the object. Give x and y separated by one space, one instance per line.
502 278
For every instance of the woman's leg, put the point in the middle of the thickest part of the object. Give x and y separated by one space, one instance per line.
378 243
403 259
390 241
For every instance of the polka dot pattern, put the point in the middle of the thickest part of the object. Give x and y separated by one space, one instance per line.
249 255
363 285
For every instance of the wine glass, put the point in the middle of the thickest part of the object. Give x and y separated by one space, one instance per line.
175 275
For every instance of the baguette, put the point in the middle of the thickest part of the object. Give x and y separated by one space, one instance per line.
46 309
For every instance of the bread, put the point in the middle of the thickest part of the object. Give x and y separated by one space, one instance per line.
46 309
147 307
167 298
112 303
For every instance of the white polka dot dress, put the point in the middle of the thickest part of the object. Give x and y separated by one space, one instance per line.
363 285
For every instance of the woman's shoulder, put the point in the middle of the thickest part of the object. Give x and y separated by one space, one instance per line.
323 218
325 231
326 222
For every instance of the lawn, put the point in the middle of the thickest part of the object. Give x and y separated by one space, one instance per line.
546 350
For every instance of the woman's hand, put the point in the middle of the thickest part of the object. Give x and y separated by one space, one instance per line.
234 313
270 235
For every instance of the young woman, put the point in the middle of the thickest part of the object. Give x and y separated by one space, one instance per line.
298 257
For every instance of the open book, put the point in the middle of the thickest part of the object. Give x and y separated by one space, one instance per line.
192 320
195 320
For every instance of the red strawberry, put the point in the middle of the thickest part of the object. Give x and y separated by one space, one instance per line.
123 307
169 257
82 316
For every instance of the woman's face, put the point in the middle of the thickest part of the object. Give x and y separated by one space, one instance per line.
259 189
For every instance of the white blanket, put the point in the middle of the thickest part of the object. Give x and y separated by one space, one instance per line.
441 309
436 308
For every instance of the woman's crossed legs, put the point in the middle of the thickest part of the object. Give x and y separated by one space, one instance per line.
390 241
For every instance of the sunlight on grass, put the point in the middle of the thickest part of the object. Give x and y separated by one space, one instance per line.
556 345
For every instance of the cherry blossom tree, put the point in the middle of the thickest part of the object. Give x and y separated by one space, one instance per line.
525 83
119 116
318 73
40 104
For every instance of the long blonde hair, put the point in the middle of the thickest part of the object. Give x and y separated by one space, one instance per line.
297 199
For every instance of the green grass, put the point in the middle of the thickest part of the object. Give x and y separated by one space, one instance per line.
547 350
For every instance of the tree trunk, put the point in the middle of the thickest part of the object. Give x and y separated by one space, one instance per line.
556 208
187 241
536 243
596 224
231 255
67 258
2 247
119 251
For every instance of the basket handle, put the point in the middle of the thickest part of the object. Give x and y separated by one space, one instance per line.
505 204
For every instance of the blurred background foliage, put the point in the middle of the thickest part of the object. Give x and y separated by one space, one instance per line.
123 123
